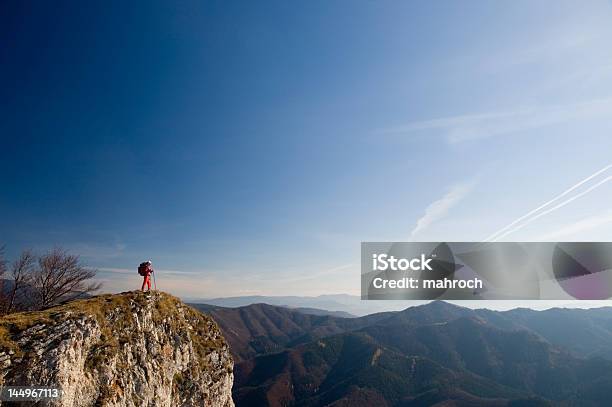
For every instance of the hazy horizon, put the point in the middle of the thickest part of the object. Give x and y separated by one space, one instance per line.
398 305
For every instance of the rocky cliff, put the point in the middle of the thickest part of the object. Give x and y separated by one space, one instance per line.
129 349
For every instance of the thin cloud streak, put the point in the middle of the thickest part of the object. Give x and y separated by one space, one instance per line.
440 208
467 127
194 285
564 193
554 208
572 230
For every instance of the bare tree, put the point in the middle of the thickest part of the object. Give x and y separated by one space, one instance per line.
21 272
60 277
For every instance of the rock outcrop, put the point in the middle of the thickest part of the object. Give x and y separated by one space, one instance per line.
129 349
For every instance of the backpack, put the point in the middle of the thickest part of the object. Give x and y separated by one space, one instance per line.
142 269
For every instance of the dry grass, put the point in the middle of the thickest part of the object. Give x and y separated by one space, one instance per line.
113 312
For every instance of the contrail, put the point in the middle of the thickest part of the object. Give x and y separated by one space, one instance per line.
554 208
493 237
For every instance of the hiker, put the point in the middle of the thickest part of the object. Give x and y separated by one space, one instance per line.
145 270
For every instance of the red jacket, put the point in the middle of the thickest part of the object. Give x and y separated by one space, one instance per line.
145 270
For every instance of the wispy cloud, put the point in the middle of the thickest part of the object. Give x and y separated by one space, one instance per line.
503 231
440 208
211 284
573 231
96 251
345 269
564 41
466 127
567 201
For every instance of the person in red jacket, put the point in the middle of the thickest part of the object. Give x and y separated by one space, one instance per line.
145 270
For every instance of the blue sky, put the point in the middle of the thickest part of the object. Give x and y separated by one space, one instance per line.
248 147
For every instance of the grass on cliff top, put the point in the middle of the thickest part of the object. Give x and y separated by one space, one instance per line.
98 307
114 314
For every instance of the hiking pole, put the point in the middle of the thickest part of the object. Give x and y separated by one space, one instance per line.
154 282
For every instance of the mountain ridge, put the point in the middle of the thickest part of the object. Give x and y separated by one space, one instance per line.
475 357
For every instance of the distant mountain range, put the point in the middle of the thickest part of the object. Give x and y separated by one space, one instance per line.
424 355
351 304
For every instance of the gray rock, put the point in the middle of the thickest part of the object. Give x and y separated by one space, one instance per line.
129 349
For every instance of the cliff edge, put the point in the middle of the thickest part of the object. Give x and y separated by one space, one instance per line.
129 349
